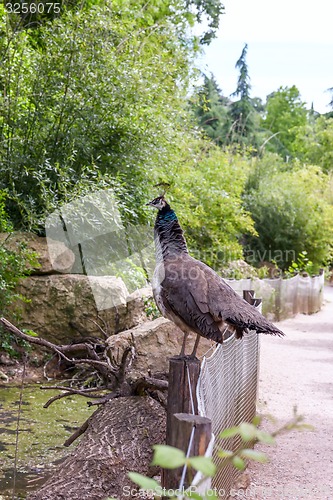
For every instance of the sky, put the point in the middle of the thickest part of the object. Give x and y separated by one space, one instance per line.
290 42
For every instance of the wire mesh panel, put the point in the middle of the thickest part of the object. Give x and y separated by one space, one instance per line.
227 393
283 298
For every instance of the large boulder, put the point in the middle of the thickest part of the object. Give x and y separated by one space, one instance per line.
64 308
52 256
154 342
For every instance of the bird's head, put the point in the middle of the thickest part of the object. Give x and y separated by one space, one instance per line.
159 203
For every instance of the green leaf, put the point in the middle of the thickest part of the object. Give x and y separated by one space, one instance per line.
31 333
168 457
204 465
304 427
258 456
225 453
247 431
239 463
256 420
144 482
228 433
265 437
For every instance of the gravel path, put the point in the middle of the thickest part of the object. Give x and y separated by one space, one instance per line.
298 370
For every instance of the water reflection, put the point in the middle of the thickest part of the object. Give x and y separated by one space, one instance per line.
42 433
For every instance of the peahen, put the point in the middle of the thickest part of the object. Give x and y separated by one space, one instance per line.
191 294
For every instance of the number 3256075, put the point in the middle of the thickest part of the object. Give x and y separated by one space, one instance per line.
32 8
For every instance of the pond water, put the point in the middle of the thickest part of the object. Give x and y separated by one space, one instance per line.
42 432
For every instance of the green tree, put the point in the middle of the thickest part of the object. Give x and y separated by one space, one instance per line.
98 101
292 212
14 263
285 112
331 101
241 112
314 142
207 197
210 108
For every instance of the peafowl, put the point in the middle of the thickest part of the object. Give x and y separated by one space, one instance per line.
191 294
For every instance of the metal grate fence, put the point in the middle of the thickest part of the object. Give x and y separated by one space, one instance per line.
227 394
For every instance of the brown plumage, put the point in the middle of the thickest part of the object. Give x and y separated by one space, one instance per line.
191 294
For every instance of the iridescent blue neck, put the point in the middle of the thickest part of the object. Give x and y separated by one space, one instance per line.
166 215
169 237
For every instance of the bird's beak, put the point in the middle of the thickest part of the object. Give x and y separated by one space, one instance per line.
148 204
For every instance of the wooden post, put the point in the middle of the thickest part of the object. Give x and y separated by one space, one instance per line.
183 374
179 400
248 295
181 431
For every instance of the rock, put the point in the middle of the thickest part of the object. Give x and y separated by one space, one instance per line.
52 256
108 291
6 360
154 342
136 306
239 269
3 376
62 308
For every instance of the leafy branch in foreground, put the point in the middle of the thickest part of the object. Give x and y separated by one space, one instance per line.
168 457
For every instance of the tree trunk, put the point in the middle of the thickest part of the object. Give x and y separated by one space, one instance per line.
119 439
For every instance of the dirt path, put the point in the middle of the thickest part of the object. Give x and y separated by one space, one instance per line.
298 370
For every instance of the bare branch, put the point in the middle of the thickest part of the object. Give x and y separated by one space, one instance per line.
33 340
81 430
150 383
69 392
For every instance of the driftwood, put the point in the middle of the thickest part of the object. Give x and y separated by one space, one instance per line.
108 375
100 367
118 439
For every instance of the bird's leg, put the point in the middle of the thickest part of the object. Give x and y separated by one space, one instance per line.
182 352
197 340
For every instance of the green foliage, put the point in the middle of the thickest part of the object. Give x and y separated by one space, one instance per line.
208 200
301 265
13 267
99 103
314 142
151 309
292 214
285 112
243 84
211 111
242 112
94 97
229 122
168 457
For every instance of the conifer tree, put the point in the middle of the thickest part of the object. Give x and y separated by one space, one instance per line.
211 110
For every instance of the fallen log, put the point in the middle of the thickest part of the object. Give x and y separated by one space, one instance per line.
118 439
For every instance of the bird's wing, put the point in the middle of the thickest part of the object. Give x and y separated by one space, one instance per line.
185 292
225 303
205 301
